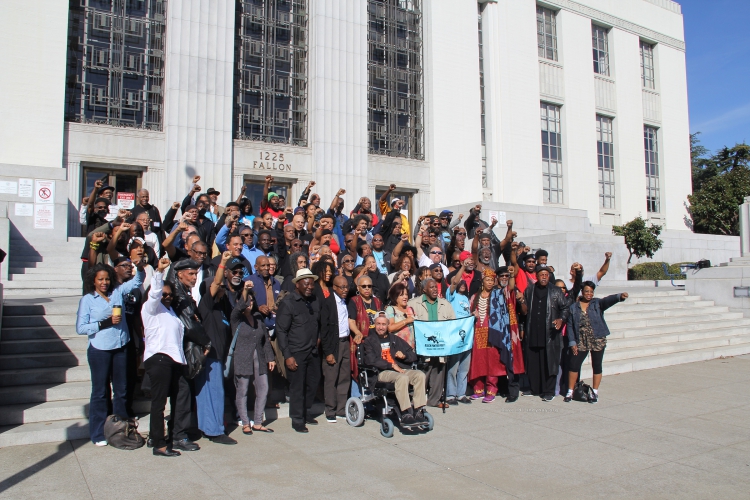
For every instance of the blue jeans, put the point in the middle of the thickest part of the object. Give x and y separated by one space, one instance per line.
209 397
355 389
106 365
458 371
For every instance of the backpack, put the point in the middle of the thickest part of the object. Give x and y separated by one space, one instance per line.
122 433
582 391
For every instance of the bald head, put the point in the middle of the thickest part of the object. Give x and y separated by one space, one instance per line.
261 266
340 286
143 197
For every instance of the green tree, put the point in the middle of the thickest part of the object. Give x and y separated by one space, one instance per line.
641 240
720 184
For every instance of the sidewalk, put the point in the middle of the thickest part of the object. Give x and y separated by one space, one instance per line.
676 432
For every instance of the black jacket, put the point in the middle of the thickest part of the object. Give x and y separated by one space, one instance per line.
329 321
185 309
596 317
155 216
476 281
297 324
558 307
373 353
380 285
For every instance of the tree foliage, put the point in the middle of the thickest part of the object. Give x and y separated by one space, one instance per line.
720 184
641 239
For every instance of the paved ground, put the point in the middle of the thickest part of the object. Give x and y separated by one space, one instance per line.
677 432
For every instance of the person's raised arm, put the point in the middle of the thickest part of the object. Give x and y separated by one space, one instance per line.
509 235
243 188
98 184
396 252
473 214
111 247
305 194
418 240
605 267
455 222
514 257
337 199
151 306
97 239
456 279
383 201
169 240
168 221
219 276
188 200
266 190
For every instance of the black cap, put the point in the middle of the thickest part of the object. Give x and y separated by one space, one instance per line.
235 263
119 260
183 264
436 266
540 267
106 187
212 191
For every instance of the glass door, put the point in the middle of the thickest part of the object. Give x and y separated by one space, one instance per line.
405 197
254 192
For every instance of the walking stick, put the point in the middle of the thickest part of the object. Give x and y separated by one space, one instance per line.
445 381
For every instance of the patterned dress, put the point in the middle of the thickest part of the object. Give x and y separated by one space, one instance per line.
587 341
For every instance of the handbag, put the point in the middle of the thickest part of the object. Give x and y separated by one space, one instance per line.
582 391
194 358
122 433
230 356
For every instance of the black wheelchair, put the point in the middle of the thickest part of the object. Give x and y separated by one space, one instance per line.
380 400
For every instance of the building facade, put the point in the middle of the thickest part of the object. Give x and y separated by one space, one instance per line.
560 103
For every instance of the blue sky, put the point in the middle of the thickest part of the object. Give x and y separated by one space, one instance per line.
718 66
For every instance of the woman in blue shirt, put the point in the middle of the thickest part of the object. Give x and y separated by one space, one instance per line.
108 339
458 364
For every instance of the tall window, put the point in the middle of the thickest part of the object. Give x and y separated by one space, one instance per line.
552 167
271 71
116 63
395 99
485 182
648 75
600 45
605 145
546 33
651 149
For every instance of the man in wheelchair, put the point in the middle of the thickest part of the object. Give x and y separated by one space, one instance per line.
393 358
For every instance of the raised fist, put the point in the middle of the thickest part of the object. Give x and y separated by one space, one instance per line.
340 192
608 255
226 256
176 205
392 187
98 184
509 223
196 178
248 285
478 208
98 237
85 200
163 264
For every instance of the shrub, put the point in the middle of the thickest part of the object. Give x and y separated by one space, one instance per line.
654 271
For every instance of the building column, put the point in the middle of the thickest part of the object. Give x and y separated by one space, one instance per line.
74 197
338 98
199 96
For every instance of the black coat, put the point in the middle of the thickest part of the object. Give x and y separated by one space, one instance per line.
297 324
249 340
373 352
558 307
185 308
380 285
329 321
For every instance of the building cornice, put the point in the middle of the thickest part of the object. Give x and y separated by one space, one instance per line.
619 23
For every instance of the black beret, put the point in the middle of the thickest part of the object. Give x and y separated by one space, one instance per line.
186 264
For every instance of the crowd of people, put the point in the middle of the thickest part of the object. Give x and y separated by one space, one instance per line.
193 308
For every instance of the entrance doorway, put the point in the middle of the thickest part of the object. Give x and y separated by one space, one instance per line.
254 192
404 196
122 180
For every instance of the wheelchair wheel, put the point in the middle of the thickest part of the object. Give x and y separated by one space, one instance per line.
387 428
355 412
430 421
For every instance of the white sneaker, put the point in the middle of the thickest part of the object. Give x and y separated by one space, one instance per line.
101 443
331 420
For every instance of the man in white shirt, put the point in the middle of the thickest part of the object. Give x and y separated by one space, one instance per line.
144 220
336 365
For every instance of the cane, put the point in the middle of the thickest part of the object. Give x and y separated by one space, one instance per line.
445 380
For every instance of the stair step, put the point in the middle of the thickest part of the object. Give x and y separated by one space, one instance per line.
41 284
37 320
42 360
661 300
623 330
625 307
616 353
55 411
78 343
683 337
670 292
20 306
39 393
39 292
44 432
650 322
648 362
662 313
45 270
35 376
39 332
45 278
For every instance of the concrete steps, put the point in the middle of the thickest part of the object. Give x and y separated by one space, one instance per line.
43 269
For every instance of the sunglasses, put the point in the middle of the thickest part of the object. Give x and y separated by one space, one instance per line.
504 276
436 253
365 286
460 234
165 295
245 235
347 261
202 254
236 271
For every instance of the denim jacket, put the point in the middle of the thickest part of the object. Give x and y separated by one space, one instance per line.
596 317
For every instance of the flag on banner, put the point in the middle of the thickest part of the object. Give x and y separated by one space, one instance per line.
444 338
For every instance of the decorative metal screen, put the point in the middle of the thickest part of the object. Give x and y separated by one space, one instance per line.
552 162
605 146
395 100
546 33
601 50
651 148
485 181
116 62
271 81
648 74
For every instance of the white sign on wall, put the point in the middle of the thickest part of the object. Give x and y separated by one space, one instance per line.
8 187
44 216
500 216
24 209
44 191
25 188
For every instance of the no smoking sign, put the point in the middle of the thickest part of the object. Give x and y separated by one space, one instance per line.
44 191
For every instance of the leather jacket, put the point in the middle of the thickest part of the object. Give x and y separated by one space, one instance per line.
557 308
185 308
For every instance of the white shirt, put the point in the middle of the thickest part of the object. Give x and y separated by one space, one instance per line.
153 241
196 290
162 328
343 316
425 261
